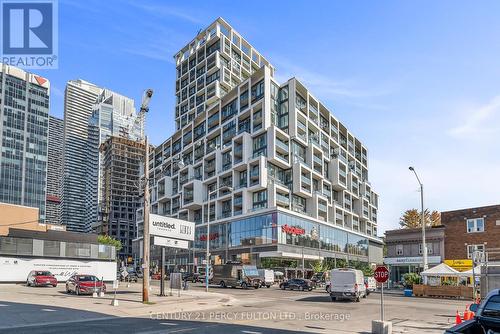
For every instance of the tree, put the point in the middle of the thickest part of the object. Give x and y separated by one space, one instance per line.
108 240
412 218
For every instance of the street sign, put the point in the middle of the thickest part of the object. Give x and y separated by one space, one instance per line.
124 273
171 227
381 274
169 242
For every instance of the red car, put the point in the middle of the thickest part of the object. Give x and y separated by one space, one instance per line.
84 284
41 278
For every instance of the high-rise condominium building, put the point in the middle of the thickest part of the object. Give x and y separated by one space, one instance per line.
92 114
121 161
24 118
79 99
112 115
278 177
55 170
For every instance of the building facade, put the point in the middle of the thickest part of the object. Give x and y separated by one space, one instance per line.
24 123
79 99
404 250
469 230
55 170
278 178
121 163
112 115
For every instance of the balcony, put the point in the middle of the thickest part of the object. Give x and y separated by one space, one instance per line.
254 173
282 145
305 179
322 207
318 160
238 201
259 153
282 199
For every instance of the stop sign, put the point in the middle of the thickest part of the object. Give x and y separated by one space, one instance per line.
381 274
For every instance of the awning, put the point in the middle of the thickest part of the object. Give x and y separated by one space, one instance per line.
441 270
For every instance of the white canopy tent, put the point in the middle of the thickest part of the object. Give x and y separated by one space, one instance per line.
468 273
441 270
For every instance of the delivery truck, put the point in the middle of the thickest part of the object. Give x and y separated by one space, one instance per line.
236 275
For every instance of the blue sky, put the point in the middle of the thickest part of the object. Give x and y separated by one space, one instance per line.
418 82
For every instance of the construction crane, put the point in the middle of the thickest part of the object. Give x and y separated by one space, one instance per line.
140 116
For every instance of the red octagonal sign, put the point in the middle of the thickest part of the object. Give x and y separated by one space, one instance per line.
381 274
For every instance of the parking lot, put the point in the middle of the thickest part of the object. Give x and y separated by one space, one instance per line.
48 310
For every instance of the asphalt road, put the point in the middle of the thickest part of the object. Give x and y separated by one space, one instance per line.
255 312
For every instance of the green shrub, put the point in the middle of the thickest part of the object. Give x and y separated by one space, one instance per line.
410 279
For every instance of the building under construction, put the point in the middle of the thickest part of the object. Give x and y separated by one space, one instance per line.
120 187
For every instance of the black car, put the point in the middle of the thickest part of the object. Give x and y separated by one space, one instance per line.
297 284
487 318
193 277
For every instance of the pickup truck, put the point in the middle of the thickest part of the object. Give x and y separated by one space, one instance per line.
486 320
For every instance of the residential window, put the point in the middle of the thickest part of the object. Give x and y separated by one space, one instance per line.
244 100
399 249
473 248
259 144
429 249
475 225
260 199
257 91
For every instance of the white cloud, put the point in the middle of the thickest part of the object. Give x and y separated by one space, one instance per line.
479 120
166 10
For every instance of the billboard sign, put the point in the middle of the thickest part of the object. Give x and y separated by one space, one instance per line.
171 227
16 269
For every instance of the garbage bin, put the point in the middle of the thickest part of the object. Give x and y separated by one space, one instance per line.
408 292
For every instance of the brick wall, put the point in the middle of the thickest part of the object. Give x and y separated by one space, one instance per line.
456 236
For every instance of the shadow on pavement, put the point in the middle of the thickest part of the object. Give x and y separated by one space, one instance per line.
19 318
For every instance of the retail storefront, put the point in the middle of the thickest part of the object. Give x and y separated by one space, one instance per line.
398 266
277 239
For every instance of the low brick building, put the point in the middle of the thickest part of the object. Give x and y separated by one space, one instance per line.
467 230
404 250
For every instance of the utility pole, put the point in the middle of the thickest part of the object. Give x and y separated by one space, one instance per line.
424 244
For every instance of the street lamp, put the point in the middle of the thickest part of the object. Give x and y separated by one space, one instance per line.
208 233
424 245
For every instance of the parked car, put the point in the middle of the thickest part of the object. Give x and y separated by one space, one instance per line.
84 284
132 275
189 276
347 284
297 284
370 284
487 318
41 278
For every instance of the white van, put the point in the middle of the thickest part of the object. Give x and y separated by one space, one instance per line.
371 284
266 277
347 284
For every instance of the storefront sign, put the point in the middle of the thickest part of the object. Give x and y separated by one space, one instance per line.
170 227
292 230
411 260
213 236
16 269
460 265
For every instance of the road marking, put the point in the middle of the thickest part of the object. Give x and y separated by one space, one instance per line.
168 323
48 310
3 305
251 332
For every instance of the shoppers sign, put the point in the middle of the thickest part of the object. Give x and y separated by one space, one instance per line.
169 242
16 269
170 227
213 236
292 230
